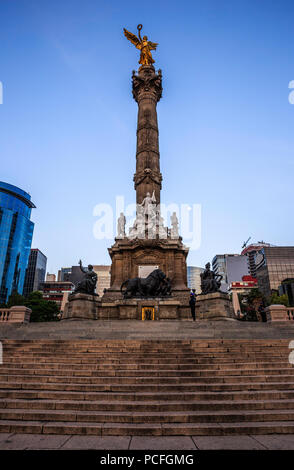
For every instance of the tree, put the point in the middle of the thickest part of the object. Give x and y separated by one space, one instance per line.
42 310
15 299
279 299
250 303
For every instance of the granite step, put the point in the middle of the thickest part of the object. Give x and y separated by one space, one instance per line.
40 377
147 429
148 406
178 388
150 417
189 387
141 396
150 373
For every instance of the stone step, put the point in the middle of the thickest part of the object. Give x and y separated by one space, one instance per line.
95 345
154 417
177 388
144 396
214 361
147 406
150 366
85 359
39 376
152 352
148 429
149 373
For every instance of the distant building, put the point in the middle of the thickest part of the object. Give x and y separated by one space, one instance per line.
57 291
193 278
241 287
16 232
274 265
75 275
50 277
250 251
35 272
232 267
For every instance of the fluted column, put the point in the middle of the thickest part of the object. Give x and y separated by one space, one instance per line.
147 90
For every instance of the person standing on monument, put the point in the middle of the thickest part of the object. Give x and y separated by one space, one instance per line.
192 303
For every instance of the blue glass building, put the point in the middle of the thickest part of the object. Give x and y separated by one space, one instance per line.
16 232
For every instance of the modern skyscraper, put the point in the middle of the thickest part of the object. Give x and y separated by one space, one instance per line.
193 278
35 273
250 251
232 267
16 232
274 265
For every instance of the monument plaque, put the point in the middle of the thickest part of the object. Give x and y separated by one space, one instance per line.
144 271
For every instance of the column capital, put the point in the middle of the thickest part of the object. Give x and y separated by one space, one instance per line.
147 83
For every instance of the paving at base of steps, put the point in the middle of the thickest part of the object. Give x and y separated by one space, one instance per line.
193 443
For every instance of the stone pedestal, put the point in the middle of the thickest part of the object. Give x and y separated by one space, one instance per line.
216 306
279 313
164 309
88 307
81 307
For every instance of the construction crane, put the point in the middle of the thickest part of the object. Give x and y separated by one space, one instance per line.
245 243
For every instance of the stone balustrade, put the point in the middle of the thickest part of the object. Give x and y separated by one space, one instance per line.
279 313
16 314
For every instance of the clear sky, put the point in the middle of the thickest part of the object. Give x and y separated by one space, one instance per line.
68 120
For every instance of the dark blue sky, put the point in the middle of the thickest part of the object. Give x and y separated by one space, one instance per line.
68 120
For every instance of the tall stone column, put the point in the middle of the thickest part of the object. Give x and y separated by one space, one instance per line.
147 90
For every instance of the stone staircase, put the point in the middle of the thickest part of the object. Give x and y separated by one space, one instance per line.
145 387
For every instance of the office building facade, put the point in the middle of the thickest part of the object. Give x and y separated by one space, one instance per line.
274 265
16 232
232 267
250 251
35 273
57 291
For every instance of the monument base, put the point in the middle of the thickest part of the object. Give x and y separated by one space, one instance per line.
88 307
81 307
216 306
131 256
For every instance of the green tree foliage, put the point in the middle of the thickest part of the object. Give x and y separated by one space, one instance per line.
42 310
15 299
279 299
250 302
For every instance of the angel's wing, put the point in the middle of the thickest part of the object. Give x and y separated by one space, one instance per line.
132 37
152 45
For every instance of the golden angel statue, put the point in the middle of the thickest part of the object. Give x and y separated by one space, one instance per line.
143 45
